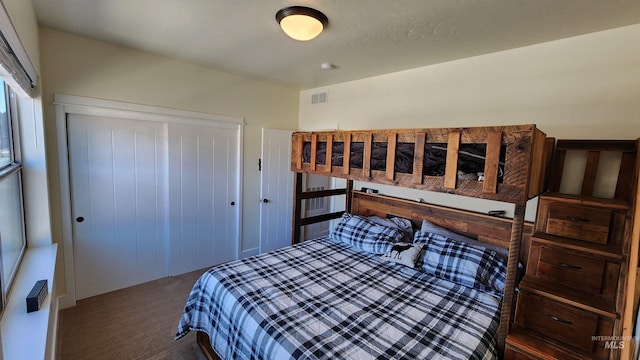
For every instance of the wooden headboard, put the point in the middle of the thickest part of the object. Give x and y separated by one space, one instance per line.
485 228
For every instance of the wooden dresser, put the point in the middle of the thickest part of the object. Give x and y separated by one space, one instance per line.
572 299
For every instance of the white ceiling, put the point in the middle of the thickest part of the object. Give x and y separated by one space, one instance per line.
364 37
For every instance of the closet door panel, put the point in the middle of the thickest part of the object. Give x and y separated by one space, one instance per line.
117 186
202 188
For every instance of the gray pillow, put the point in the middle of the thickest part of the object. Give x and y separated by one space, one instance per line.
399 223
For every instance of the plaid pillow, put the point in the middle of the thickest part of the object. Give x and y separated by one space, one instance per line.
472 266
365 235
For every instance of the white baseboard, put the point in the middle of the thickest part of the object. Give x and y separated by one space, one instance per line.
66 301
249 252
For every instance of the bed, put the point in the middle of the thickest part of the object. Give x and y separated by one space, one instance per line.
299 303
335 298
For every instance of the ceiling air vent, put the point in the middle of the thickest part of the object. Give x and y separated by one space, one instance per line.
319 98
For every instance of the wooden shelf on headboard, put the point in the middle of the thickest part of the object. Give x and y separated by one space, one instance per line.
520 152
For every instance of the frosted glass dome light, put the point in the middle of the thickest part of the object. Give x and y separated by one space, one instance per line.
301 23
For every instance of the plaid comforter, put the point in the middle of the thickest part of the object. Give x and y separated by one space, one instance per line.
324 300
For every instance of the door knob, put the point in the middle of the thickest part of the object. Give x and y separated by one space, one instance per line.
79 219
265 200
233 203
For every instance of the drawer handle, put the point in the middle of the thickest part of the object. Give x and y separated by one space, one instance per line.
555 318
569 266
577 219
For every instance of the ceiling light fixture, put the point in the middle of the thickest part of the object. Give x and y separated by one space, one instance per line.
301 23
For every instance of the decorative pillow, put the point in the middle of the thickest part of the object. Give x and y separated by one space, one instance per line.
403 253
473 266
429 227
401 223
365 235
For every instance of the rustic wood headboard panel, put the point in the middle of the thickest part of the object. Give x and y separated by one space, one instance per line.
485 228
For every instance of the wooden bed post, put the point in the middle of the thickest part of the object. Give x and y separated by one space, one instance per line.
349 196
517 228
297 208
202 339
628 320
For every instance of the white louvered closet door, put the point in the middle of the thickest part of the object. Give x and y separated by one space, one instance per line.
118 189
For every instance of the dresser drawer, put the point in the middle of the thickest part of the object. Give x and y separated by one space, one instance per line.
579 222
562 322
597 275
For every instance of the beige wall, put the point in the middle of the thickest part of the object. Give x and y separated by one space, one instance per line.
582 87
79 66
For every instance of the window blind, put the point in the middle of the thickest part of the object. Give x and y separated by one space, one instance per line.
15 64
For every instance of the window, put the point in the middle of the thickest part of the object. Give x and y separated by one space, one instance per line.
12 234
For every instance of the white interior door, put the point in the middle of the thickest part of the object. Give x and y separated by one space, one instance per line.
204 196
117 169
276 190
